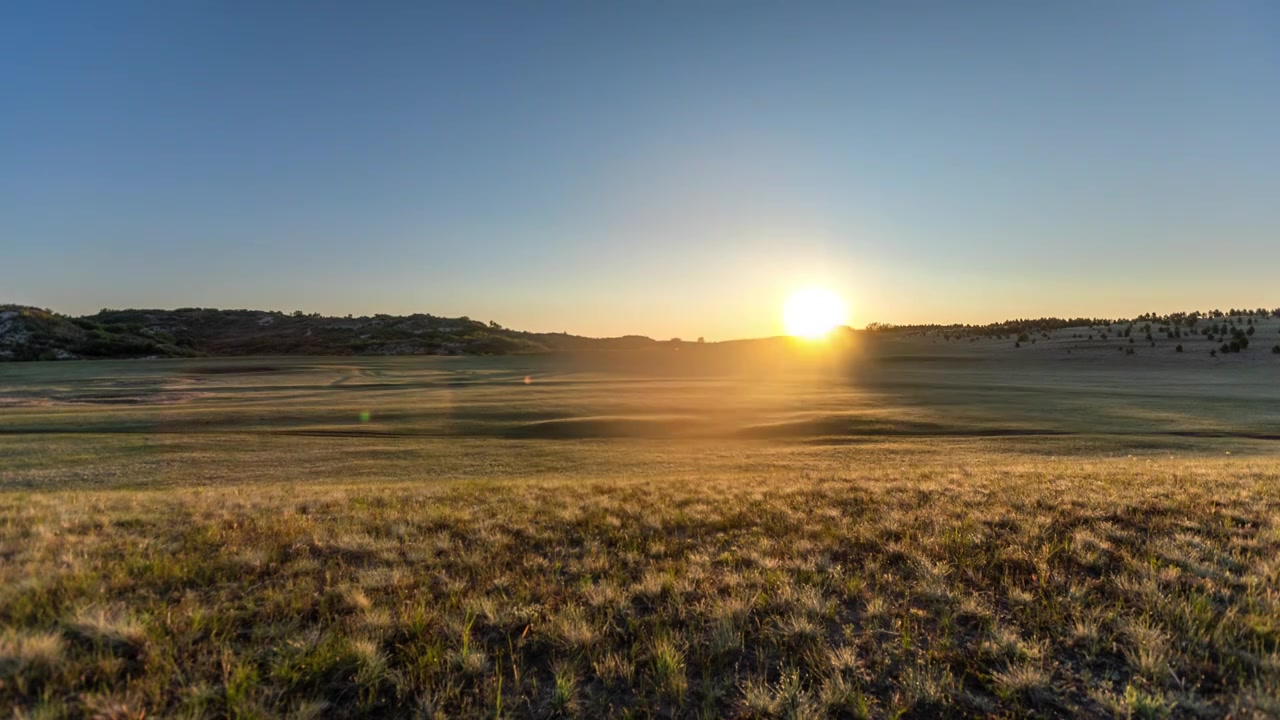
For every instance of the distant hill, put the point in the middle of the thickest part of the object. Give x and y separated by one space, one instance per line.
29 333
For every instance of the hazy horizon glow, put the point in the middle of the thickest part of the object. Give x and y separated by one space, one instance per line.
813 312
660 169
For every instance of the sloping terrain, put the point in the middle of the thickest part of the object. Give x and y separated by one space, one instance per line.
28 333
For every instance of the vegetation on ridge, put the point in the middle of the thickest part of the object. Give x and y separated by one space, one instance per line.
28 333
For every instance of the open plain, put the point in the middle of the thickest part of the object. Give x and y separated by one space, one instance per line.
911 527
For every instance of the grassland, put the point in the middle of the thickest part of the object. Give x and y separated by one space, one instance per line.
918 532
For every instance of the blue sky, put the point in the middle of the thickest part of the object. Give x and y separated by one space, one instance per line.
665 168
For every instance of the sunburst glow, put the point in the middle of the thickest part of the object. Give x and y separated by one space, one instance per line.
813 312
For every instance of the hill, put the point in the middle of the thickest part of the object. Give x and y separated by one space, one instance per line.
29 333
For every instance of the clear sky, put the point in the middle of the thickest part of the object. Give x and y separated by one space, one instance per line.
663 168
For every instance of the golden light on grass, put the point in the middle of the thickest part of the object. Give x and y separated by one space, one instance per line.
813 312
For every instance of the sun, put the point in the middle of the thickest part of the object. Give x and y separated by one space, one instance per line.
813 312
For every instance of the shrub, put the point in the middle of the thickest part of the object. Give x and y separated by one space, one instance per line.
1276 350
1249 331
1213 353
1179 349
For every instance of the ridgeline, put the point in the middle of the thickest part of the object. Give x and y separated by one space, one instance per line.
29 333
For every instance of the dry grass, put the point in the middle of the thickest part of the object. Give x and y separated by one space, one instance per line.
981 585
838 545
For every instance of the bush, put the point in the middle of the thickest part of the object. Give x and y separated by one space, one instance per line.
1276 350
1213 353
1249 331
1178 349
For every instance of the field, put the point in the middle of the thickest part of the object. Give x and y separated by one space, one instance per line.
912 528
